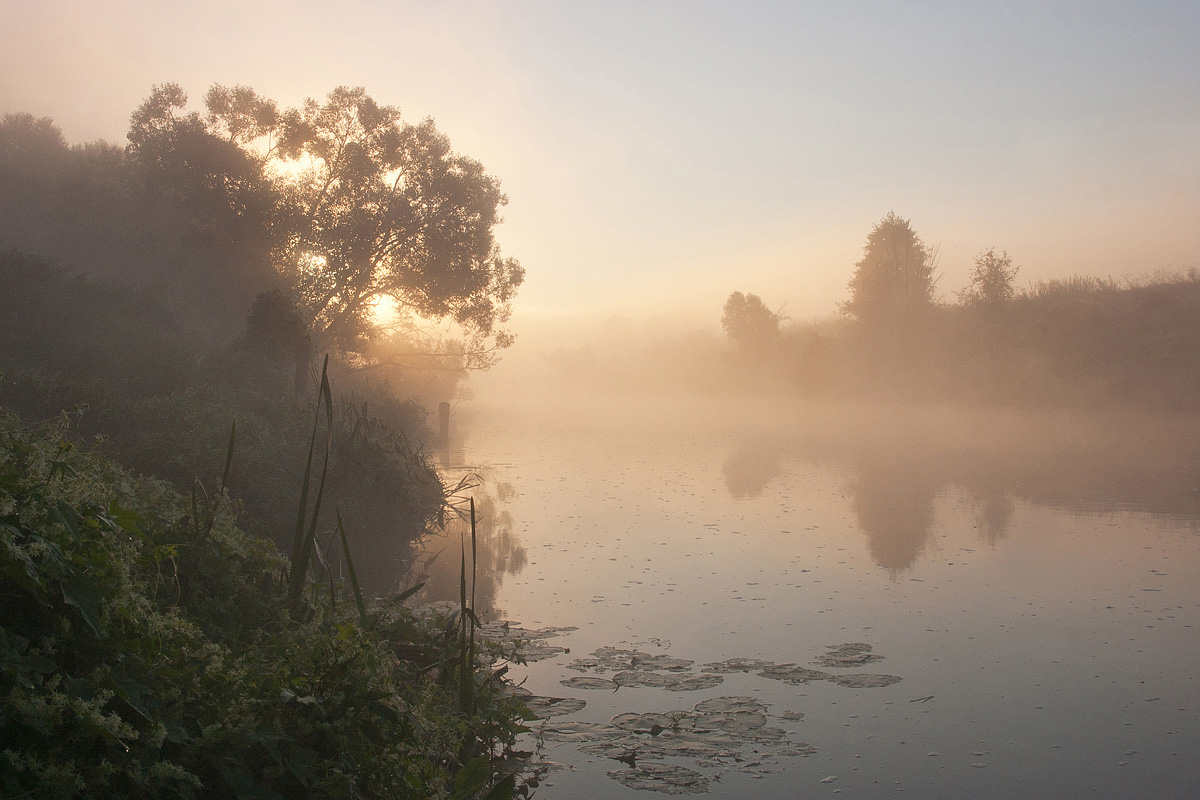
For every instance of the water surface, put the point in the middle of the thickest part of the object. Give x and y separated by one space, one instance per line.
1031 580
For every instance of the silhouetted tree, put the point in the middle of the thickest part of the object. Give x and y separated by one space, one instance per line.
179 212
894 282
386 210
991 280
276 342
354 205
748 322
214 195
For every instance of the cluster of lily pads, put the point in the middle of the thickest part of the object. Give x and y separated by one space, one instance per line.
714 733
720 733
635 668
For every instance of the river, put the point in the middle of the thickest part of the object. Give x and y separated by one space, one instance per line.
1030 580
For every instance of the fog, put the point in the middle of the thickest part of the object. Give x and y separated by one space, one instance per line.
490 400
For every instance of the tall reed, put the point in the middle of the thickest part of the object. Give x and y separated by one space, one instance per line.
304 542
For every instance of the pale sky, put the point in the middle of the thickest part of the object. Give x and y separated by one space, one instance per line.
659 155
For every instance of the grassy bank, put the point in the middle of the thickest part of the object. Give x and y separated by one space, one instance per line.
149 648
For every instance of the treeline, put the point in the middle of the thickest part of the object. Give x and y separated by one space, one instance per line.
1073 342
1077 341
1081 341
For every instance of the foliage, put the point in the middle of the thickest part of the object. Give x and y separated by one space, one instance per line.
992 279
93 334
1073 286
893 283
341 203
164 411
748 323
178 214
387 210
147 650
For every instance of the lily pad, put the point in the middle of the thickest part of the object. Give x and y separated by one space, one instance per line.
628 749
791 673
732 665
606 659
651 722
579 732
528 642
543 707
847 655
730 705
587 682
864 681
672 682
664 778
532 651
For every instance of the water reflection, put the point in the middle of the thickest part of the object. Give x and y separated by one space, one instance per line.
895 476
498 550
893 500
750 468
993 513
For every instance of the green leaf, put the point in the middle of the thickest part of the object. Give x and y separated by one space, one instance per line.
358 597
471 778
503 790
84 593
127 520
409 592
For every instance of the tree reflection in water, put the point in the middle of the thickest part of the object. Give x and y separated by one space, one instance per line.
893 500
993 512
500 553
750 468
896 473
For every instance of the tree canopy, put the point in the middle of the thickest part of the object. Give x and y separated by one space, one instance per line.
992 279
386 209
354 205
748 322
894 281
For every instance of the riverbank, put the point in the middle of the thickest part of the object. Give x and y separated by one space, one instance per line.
150 648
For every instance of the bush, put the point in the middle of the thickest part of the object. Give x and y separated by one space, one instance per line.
147 650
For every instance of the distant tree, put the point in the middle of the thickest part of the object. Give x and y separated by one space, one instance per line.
894 282
748 322
991 280
276 342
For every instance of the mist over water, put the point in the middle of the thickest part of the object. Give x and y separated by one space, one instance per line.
790 401
1024 574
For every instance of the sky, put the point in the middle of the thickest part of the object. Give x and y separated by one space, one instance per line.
659 155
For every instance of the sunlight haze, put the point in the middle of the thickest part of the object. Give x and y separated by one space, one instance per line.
494 399
662 155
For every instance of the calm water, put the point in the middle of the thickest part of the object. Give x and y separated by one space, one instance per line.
1033 584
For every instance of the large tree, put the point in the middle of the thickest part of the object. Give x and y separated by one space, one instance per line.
385 210
894 282
366 208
